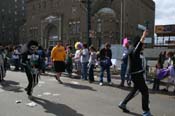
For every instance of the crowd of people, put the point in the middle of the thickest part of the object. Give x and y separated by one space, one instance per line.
165 69
33 60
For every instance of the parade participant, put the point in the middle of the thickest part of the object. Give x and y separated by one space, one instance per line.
58 56
135 69
31 63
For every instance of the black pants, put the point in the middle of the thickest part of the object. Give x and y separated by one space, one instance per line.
139 84
2 72
32 80
156 84
69 67
17 64
91 72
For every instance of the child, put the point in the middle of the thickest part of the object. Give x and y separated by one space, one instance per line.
91 64
69 65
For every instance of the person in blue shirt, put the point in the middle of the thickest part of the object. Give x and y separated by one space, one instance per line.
124 63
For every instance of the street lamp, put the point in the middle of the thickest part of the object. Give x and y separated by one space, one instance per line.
99 30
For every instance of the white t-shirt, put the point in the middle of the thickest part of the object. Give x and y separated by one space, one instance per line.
77 55
84 55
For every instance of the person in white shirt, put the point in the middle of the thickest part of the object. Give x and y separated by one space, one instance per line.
84 61
77 60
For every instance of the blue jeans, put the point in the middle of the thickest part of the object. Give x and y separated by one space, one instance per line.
103 68
123 73
17 63
91 72
84 70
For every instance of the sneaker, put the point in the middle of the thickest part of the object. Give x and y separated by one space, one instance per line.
101 84
60 81
146 113
121 85
56 77
129 83
30 97
26 89
123 107
164 90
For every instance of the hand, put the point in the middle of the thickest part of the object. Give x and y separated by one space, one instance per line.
88 65
145 33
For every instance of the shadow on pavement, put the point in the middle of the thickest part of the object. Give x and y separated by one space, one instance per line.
75 86
134 114
127 88
48 74
56 108
9 85
169 93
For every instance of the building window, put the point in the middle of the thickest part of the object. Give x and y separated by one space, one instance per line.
78 26
23 8
22 1
15 19
9 11
16 12
34 7
44 4
39 5
3 10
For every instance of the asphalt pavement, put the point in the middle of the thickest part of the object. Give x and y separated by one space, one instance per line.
75 98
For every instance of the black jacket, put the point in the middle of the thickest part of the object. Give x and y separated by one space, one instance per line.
135 62
105 53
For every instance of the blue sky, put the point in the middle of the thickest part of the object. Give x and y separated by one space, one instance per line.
165 12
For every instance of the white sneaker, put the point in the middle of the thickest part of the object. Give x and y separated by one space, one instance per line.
101 84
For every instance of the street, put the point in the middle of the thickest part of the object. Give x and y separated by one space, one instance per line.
74 98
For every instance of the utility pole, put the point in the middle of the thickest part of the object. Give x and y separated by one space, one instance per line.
121 21
88 22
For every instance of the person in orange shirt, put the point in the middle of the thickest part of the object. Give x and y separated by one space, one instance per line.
58 55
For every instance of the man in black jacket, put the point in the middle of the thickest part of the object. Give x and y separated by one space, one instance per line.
105 63
135 69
